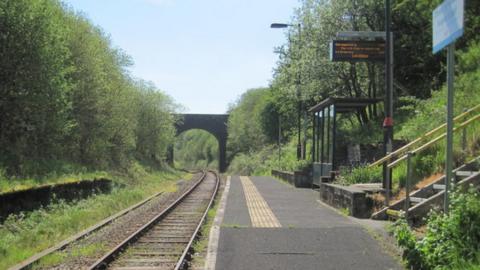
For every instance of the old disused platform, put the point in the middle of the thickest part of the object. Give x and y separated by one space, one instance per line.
268 224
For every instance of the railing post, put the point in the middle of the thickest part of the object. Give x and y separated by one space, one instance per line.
407 183
387 182
464 139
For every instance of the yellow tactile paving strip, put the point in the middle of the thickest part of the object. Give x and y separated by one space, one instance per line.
260 213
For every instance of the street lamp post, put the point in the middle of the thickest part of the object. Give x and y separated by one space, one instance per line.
279 138
299 100
388 121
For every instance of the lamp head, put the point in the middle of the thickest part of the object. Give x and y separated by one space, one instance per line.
279 25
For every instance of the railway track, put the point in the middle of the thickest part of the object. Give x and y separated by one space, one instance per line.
165 241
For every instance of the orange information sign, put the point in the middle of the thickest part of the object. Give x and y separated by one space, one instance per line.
357 50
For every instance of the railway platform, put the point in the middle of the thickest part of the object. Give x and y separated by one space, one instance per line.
267 224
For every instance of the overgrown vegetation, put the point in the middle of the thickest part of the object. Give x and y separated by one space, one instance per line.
450 242
68 103
261 162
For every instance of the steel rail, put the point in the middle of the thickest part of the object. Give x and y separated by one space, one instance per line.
199 226
111 255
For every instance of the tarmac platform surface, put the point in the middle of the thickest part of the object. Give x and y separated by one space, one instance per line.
269 224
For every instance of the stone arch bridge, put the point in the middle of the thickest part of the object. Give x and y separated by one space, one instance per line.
215 124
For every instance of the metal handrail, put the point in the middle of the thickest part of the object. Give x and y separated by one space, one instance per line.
431 142
406 147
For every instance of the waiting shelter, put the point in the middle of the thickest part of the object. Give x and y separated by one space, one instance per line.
325 131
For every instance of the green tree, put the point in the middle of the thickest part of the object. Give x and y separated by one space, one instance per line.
245 130
34 81
104 104
67 97
154 132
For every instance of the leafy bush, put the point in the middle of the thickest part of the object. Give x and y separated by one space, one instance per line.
264 160
451 241
407 240
259 162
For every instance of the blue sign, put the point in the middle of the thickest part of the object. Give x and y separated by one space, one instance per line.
447 23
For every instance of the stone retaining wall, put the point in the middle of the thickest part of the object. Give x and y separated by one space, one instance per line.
30 199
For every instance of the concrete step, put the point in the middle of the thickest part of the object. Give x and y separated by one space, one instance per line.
464 174
416 200
424 199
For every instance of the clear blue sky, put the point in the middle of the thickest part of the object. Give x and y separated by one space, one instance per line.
203 53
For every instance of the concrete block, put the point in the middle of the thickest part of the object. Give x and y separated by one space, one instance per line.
298 179
351 198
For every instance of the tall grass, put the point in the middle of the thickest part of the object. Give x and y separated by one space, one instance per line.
361 175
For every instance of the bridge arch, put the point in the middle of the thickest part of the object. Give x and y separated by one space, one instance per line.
215 124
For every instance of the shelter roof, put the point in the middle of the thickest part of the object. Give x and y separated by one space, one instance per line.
344 104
